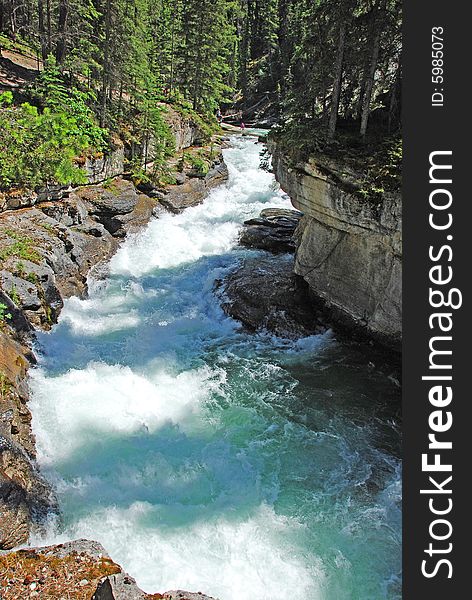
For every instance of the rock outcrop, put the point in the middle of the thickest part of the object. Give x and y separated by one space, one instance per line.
112 205
194 190
106 166
273 230
110 165
284 308
47 251
186 133
78 570
349 249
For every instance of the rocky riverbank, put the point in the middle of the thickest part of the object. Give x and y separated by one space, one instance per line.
49 243
348 248
78 570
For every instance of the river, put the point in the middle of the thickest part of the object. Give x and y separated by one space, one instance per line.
207 458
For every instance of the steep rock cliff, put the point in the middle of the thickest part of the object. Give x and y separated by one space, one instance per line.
349 249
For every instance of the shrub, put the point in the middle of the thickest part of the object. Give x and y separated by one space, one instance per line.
198 163
51 91
22 247
38 148
4 315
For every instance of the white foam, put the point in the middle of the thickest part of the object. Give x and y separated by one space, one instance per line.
81 406
152 451
228 558
209 228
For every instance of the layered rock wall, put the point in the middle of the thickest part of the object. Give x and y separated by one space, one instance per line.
349 249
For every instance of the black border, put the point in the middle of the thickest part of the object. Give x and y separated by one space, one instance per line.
426 129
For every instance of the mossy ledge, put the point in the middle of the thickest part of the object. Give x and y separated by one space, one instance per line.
78 570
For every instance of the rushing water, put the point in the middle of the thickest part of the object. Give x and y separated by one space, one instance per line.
207 458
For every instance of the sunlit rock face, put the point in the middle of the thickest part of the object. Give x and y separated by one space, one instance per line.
349 250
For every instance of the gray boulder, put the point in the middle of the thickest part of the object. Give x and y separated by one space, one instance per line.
111 204
194 190
273 230
265 293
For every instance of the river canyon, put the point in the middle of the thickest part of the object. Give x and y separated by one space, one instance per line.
204 456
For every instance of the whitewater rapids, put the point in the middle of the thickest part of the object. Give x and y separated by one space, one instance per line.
205 458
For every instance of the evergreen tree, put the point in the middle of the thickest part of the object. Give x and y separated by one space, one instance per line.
313 63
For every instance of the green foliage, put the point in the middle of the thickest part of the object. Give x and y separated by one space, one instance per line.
166 177
48 227
199 165
384 168
20 268
207 37
14 295
109 65
376 166
32 278
4 314
52 91
21 247
5 384
112 63
152 139
16 45
138 175
293 54
198 161
38 148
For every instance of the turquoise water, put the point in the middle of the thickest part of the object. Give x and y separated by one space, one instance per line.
205 458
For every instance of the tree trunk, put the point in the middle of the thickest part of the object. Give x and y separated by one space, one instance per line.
338 72
370 84
372 68
172 57
62 28
106 65
283 45
49 27
42 31
395 94
198 61
2 19
365 65
13 21
120 98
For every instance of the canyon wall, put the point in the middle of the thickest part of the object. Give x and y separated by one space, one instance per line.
349 248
